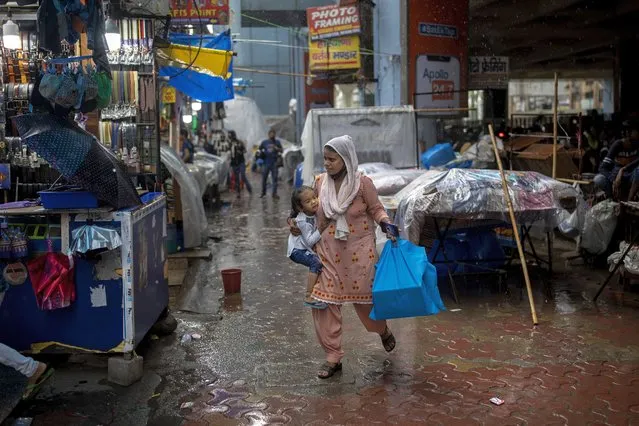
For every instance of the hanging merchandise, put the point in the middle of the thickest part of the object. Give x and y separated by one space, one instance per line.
136 37
57 21
90 237
69 85
124 96
15 274
52 278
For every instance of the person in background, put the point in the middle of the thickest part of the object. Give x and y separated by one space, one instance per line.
238 163
187 146
270 150
619 168
36 372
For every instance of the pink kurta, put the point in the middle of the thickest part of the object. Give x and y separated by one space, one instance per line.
349 266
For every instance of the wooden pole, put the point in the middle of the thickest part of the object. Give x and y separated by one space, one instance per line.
513 221
442 109
571 181
554 127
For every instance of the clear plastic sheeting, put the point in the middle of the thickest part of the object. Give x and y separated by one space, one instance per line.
630 262
210 170
201 176
221 164
91 237
391 182
292 157
381 134
246 119
477 195
599 227
373 168
195 225
479 156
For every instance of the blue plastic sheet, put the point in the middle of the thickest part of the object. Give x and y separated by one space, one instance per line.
405 283
200 86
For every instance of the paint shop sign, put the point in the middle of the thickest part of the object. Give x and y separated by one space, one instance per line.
332 21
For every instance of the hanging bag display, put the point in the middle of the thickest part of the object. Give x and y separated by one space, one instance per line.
53 279
405 283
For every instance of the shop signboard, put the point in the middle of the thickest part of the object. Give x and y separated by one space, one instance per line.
209 11
332 21
488 72
438 55
341 53
168 95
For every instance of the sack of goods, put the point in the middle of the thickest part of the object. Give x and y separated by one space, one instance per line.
405 283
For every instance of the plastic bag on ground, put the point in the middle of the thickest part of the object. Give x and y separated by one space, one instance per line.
630 262
405 283
574 222
599 227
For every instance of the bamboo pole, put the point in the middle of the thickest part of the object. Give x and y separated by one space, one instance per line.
443 109
513 221
554 127
571 181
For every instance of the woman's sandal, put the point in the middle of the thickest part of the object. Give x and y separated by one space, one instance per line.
330 369
34 388
388 340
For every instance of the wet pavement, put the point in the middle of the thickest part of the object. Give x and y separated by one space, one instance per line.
256 360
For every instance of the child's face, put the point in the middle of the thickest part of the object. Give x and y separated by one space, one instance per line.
309 203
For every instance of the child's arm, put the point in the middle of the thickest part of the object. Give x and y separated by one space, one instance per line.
310 234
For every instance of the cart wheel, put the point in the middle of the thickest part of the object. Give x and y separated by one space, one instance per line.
165 325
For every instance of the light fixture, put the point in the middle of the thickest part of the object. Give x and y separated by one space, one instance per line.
112 35
187 118
11 34
196 105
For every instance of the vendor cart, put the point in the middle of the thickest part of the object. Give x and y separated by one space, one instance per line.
120 293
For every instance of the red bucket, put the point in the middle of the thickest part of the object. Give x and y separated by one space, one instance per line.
232 280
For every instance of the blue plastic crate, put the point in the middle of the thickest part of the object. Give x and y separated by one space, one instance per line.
68 198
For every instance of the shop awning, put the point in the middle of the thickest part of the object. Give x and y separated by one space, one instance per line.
209 78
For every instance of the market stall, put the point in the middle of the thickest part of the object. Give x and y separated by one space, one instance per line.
82 228
119 293
455 214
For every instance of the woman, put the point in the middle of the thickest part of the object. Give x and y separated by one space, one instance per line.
349 208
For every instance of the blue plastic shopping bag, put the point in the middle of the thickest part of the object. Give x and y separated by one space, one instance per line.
405 283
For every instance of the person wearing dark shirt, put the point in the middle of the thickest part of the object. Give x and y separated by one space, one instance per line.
187 146
270 150
238 163
619 168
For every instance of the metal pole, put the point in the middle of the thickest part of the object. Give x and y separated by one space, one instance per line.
554 130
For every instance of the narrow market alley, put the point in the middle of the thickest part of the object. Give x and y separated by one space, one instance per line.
256 358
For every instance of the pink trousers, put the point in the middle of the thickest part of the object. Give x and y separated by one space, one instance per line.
328 326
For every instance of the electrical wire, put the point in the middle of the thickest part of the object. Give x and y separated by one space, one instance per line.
363 50
199 48
307 49
256 71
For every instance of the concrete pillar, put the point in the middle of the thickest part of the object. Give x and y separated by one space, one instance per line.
628 60
387 45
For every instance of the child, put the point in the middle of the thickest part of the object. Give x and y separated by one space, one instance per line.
300 249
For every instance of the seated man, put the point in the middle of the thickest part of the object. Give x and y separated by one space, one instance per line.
619 168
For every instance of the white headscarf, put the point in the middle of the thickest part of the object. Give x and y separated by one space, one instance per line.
335 205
